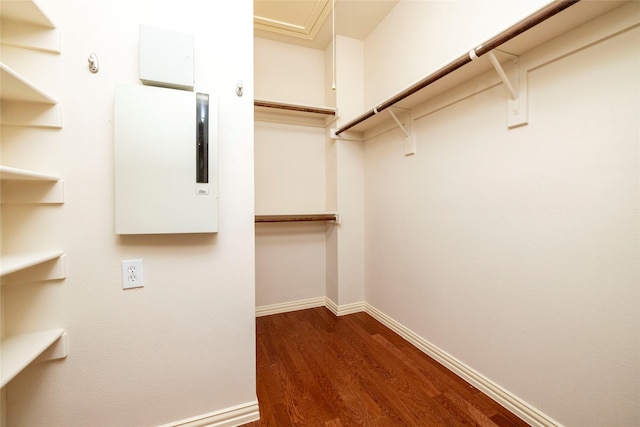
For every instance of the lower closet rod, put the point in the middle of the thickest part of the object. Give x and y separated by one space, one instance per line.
296 217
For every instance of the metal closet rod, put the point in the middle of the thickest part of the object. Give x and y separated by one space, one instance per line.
517 29
293 107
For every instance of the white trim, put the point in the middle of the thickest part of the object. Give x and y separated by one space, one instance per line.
229 417
332 306
520 408
342 310
355 307
286 307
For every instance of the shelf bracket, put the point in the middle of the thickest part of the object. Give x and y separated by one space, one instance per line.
407 129
505 79
57 350
517 92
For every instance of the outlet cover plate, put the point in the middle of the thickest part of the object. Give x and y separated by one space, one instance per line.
132 274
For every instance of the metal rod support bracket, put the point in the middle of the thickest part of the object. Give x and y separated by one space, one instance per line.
505 79
404 130
407 129
512 78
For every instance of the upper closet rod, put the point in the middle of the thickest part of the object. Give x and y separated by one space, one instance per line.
293 107
519 28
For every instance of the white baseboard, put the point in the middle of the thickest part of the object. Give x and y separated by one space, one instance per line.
342 310
229 417
285 307
514 404
332 306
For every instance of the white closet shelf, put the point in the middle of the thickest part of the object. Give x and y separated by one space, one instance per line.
21 186
25 25
14 87
19 351
282 112
8 173
27 11
296 217
12 263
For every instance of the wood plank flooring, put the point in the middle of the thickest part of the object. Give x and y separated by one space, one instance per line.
316 369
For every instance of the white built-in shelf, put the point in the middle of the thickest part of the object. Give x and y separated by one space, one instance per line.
21 186
8 173
25 104
14 87
19 351
26 25
282 112
13 263
303 217
26 11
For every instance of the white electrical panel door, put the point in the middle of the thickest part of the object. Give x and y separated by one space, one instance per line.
166 161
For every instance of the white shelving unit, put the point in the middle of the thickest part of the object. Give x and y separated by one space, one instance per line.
23 103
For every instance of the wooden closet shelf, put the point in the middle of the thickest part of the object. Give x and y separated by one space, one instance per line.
296 217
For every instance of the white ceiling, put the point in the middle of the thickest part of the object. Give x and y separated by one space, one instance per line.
309 22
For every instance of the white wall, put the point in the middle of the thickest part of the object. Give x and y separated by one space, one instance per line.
289 73
516 251
289 178
183 345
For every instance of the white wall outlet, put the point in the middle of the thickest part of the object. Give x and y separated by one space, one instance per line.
132 274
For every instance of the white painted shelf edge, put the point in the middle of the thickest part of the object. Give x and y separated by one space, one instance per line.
16 88
16 262
11 173
25 11
18 351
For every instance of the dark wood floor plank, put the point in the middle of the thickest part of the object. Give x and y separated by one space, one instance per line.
443 378
411 397
316 369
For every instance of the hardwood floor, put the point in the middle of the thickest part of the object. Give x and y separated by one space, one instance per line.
316 369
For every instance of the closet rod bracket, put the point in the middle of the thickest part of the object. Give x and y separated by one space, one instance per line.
512 77
505 79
